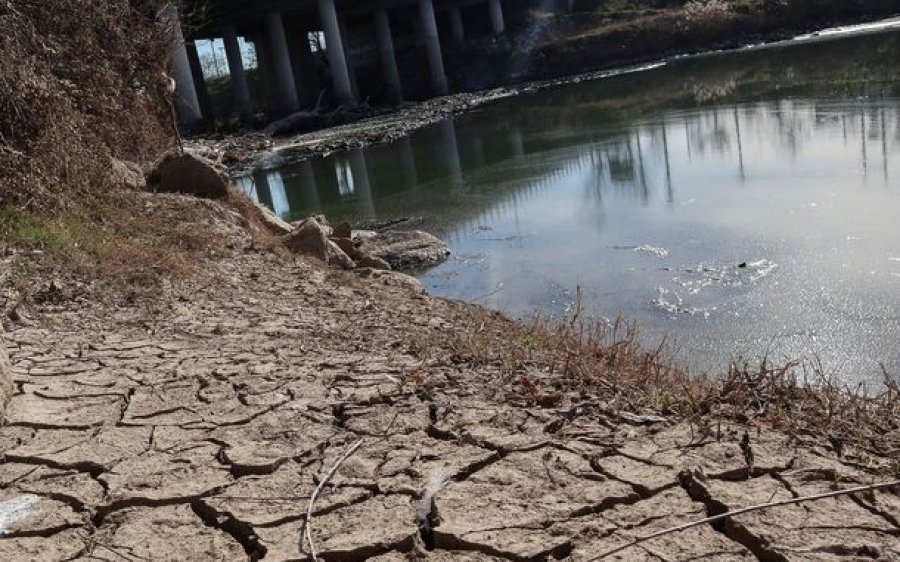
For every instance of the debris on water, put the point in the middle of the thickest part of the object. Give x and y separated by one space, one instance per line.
742 265
655 250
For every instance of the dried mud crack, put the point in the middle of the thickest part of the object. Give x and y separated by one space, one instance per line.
199 431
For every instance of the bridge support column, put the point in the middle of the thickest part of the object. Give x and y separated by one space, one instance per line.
187 105
433 47
304 65
199 79
238 78
335 49
495 7
388 58
285 88
457 29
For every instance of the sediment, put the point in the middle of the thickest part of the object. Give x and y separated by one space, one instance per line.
199 430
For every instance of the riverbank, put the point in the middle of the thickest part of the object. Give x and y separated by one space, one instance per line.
197 423
244 152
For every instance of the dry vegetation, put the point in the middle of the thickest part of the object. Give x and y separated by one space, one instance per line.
548 359
76 90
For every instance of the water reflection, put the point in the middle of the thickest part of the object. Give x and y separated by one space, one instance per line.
740 203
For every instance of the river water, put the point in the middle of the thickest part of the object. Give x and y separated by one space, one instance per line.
742 203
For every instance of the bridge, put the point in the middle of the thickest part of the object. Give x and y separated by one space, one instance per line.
348 35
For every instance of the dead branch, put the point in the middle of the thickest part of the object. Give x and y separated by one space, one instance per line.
307 523
714 518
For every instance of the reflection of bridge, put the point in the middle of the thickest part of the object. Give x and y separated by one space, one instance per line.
287 37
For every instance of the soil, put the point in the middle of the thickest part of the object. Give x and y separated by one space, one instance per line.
198 428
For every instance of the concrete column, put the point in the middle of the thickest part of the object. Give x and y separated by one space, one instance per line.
495 7
199 79
304 67
187 105
237 76
388 58
348 53
335 50
285 88
457 29
433 47
266 72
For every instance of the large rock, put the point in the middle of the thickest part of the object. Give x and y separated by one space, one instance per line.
402 249
188 173
6 382
310 238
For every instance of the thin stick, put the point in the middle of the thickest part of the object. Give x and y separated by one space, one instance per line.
307 524
759 507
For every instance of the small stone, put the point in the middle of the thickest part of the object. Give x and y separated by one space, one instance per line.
309 238
366 260
343 230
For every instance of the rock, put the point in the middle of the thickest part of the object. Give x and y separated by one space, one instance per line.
127 173
275 224
393 279
366 260
309 238
403 250
343 230
6 382
347 245
188 173
336 257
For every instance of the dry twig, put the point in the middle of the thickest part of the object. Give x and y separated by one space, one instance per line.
714 518
307 523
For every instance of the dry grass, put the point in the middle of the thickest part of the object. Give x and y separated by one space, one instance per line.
546 359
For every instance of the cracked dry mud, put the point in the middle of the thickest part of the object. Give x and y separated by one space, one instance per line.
201 431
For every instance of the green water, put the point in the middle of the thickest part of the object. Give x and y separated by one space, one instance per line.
740 203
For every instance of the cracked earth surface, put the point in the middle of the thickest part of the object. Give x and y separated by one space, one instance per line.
201 431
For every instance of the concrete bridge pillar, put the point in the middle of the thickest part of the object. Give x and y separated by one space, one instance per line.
457 29
495 7
348 53
388 58
433 47
199 79
335 49
187 105
304 67
239 87
285 88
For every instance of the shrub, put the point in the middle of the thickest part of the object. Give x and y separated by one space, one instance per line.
79 82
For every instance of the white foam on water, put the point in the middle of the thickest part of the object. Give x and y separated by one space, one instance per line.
15 509
657 251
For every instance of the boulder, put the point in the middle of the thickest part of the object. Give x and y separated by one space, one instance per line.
188 173
404 250
347 245
275 224
6 381
393 279
366 260
336 257
310 238
343 230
